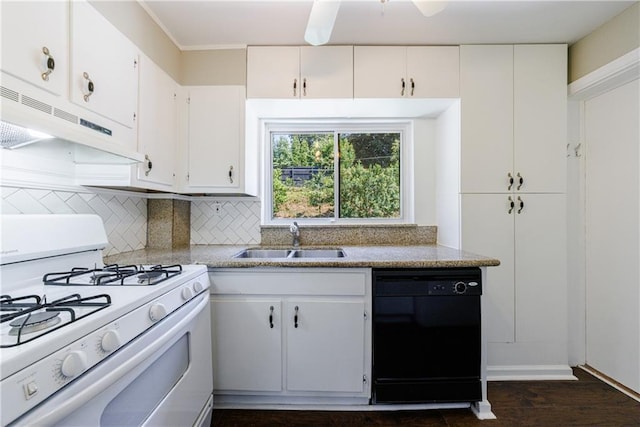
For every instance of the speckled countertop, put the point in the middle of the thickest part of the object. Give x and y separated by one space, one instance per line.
221 256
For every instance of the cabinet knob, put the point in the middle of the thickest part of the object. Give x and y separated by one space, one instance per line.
402 87
304 87
49 64
511 204
148 165
88 88
521 205
295 317
413 85
510 181
271 317
295 87
520 181
231 174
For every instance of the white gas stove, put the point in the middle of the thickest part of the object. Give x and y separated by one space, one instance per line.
64 314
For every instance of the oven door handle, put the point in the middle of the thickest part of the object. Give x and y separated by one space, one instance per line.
61 409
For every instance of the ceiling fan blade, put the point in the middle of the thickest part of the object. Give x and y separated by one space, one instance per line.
430 7
321 19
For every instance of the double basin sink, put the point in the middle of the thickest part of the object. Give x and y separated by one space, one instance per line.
291 253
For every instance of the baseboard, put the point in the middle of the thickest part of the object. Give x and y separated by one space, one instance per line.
529 373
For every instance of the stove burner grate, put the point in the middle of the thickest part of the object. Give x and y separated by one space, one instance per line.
26 317
114 275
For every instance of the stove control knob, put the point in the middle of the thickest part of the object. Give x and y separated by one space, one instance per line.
110 341
157 312
197 286
73 364
460 288
187 293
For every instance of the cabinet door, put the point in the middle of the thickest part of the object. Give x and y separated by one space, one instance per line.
486 90
541 268
273 72
325 352
540 117
433 72
379 71
157 123
27 29
247 344
326 71
216 138
488 229
104 60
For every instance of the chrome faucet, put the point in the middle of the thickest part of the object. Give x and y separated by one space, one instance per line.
295 233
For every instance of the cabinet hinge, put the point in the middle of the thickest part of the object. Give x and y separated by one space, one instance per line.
364 379
189 100
187 177
135 64
366 315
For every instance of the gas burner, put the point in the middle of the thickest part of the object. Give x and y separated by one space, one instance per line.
34 322
149 276
34 316
114 275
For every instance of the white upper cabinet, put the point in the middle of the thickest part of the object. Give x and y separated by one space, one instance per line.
513 118
406 72
216 139
35 39
300 72
104 72
540 117
157 127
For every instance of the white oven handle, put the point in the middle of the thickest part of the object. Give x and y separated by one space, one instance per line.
62 409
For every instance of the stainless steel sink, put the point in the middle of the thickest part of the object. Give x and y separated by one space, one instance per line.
291 253
317 253
263 253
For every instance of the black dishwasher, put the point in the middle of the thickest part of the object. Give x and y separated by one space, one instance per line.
426 335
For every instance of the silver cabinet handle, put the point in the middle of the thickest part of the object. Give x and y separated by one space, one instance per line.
295 87
413 85
403 85
520 181
50 64
511 205
231 174
148 165
295 317
521 205
510 181
89 86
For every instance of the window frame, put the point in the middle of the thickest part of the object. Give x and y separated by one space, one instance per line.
402 126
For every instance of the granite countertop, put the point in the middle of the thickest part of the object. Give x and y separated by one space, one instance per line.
221 256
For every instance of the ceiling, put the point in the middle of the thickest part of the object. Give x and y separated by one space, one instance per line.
205 24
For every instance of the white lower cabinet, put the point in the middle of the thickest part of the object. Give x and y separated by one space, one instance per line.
291 336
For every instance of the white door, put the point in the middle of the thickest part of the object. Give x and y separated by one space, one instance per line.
486 92
325 345
540 117
612 234
379 71
541 269
433 71
104 73
273 72
488 229
28 28
157 125
326 71
216 138
247 353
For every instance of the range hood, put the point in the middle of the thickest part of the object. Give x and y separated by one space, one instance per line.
26 120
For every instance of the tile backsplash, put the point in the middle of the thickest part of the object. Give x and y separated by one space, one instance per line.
124 216
225 222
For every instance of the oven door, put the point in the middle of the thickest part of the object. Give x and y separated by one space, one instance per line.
162 378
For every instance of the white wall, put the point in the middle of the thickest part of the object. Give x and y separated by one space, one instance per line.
448 176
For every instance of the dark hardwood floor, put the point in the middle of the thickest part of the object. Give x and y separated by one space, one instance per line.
586 402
